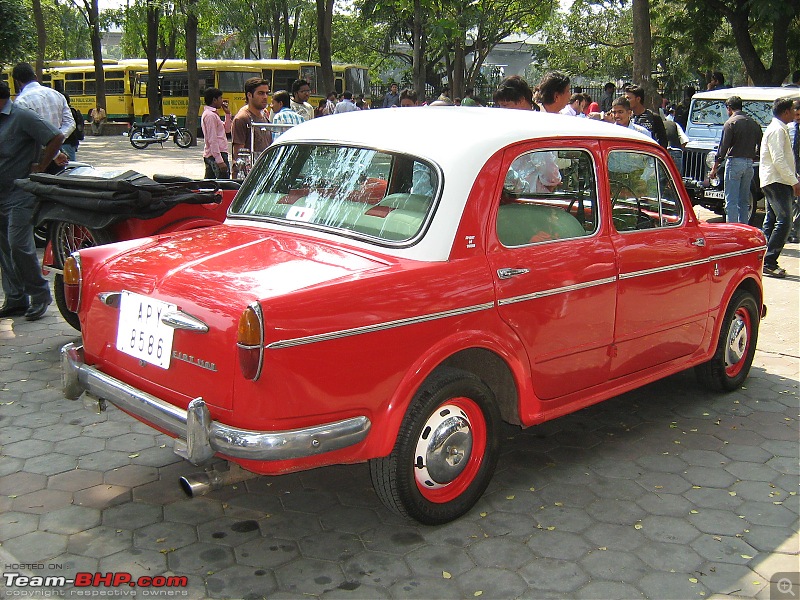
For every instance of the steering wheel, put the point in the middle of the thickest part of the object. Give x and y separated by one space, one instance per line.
642 220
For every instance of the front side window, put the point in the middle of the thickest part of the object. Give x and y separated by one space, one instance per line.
548 195
356 191
643 194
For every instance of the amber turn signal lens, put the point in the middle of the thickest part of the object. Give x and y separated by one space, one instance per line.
72 283
250 344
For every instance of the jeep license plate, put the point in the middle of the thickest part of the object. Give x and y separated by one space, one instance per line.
716 194
141 333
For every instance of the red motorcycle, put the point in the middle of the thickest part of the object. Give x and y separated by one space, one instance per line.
82 208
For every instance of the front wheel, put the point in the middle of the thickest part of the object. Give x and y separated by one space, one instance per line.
137 139
445 453
183 138
729 367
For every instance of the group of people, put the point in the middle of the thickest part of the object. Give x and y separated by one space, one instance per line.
778 153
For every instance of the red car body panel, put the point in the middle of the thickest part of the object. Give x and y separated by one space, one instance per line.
637 307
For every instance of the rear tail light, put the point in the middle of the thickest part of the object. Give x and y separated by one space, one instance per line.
72 282
250 341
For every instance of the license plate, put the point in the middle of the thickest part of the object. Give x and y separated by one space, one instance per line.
141 333
716 194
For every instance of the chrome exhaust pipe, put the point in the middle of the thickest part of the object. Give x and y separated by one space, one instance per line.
199 484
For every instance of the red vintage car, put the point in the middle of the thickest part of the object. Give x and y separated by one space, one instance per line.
390 285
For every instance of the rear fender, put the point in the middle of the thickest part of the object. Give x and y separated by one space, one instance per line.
387 423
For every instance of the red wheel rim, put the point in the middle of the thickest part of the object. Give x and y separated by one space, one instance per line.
447 491
737 342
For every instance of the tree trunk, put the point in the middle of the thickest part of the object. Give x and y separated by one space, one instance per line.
418 51
153 87
41 35
779 68
324 34
642 51
93 17
193 108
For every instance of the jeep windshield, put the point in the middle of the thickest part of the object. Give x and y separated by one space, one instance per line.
360 192
713 112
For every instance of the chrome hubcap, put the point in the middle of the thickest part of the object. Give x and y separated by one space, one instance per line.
443 448
737 342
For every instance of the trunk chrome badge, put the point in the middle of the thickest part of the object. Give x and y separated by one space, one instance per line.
193 360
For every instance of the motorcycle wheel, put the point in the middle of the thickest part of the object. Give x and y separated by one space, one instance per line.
66 239
183 138
137 138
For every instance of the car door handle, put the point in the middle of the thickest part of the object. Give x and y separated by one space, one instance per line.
699 242
508 273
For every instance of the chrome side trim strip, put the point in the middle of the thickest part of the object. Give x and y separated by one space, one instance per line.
322 337
738 253
180 320
554 291
665 269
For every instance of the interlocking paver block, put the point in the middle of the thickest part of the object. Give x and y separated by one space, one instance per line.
131 475
397 540
376 568
618 512
165 536
136 561
615 537
727 549
200 559
425 588
228 531
719 522
70 519
432 559
131 515
102 496
492 583
670 557
77 479
673 585
13 524
36 547
764 513
51 464
309 576
669 529
555 575
607 589
500 553
42 501
240 581
268 553
100 541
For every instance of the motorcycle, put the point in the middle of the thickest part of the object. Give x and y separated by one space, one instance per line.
143 134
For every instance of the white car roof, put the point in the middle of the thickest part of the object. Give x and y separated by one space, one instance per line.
437 132
459 140
749 93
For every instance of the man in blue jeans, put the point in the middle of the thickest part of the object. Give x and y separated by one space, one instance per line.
741 136
23 133
779 182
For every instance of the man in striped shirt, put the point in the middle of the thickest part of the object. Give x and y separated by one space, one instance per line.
282 113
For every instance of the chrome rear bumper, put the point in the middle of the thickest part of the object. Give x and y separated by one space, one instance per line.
198 437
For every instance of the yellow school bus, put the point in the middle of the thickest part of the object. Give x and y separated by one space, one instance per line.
229 76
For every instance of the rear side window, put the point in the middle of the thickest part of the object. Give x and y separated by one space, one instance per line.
548 195
643 194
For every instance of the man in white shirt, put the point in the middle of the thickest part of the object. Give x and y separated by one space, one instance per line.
346 105
779 182
46 102
301 91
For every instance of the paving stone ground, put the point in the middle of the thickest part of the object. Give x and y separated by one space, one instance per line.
665 492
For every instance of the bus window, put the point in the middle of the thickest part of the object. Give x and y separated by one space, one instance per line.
233 81
309 73
267 75
283 80
90 87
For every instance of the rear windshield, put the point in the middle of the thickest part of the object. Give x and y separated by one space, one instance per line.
361 192
713 112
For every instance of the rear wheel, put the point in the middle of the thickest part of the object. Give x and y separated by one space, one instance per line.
736 347
446 450
183 138
137 139
66 239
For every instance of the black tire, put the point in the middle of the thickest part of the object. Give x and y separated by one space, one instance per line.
136 138
66 239
729 367
183 138
61 302
457 410
69 237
